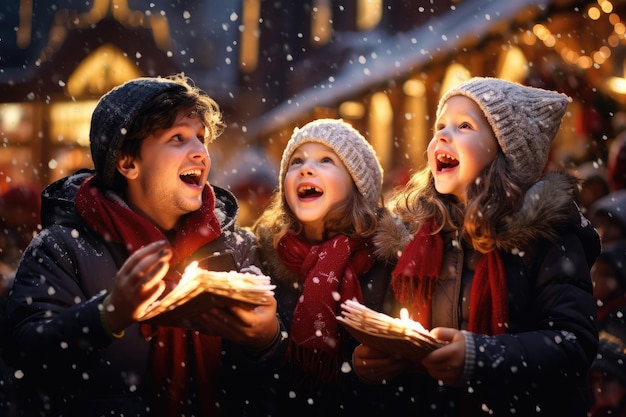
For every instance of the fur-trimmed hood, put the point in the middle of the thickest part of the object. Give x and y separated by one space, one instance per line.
549 207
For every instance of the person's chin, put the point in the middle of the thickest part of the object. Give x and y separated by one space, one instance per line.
193 205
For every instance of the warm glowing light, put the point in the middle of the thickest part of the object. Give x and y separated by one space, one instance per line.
70 121
599 58
381 128
617 85
369 14
549 41
585 62
614 18
540 31
455 74
414 88
606 6
594 13
528 38
321 22
249 48
101 70
11 117
605 51
352 110
513 65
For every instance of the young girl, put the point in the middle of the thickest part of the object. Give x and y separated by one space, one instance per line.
316 241
498 261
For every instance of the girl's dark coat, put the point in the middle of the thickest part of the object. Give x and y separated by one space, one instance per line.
286 391
539 366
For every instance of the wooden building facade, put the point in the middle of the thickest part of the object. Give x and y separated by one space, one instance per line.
272 66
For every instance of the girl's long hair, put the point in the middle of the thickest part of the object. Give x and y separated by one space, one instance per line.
491 199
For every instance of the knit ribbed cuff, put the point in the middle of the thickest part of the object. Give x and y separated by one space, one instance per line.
470 357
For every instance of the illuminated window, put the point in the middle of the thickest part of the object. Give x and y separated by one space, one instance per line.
351 110
250 32
380 128
512 65
369 13
16 122
455 74
321 22
70 122
416 124
18 130
100 71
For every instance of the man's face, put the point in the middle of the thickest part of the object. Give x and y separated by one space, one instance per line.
166 181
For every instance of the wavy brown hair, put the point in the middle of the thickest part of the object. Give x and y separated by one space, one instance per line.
491 199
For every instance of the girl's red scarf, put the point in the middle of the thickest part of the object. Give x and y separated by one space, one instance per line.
414 281
330 274
178 355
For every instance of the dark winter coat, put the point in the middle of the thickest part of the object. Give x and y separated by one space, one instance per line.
287 390
65 363
539 367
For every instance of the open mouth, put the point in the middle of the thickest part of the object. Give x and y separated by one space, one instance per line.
192 177
446 161
309 191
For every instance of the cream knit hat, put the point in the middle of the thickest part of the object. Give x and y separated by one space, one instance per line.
525 120
355 152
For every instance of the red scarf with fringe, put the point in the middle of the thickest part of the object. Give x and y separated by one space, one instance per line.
171 347
414 281
330 275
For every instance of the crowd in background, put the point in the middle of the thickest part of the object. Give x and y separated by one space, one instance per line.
603 196
19 220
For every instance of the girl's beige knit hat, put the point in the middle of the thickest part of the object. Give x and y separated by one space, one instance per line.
351 147
525 120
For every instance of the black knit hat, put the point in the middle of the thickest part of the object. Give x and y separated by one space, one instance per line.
614 254
112 117
611 356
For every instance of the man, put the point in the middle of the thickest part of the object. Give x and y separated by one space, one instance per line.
113 241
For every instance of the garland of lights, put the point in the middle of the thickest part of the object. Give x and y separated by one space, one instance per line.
595 58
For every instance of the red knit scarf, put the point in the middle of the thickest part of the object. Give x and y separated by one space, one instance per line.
178 355
330 275
415 275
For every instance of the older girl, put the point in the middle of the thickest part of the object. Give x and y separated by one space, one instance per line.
498 261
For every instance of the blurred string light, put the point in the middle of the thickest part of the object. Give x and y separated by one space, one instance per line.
579 58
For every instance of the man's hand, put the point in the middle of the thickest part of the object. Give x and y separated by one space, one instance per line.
138 283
